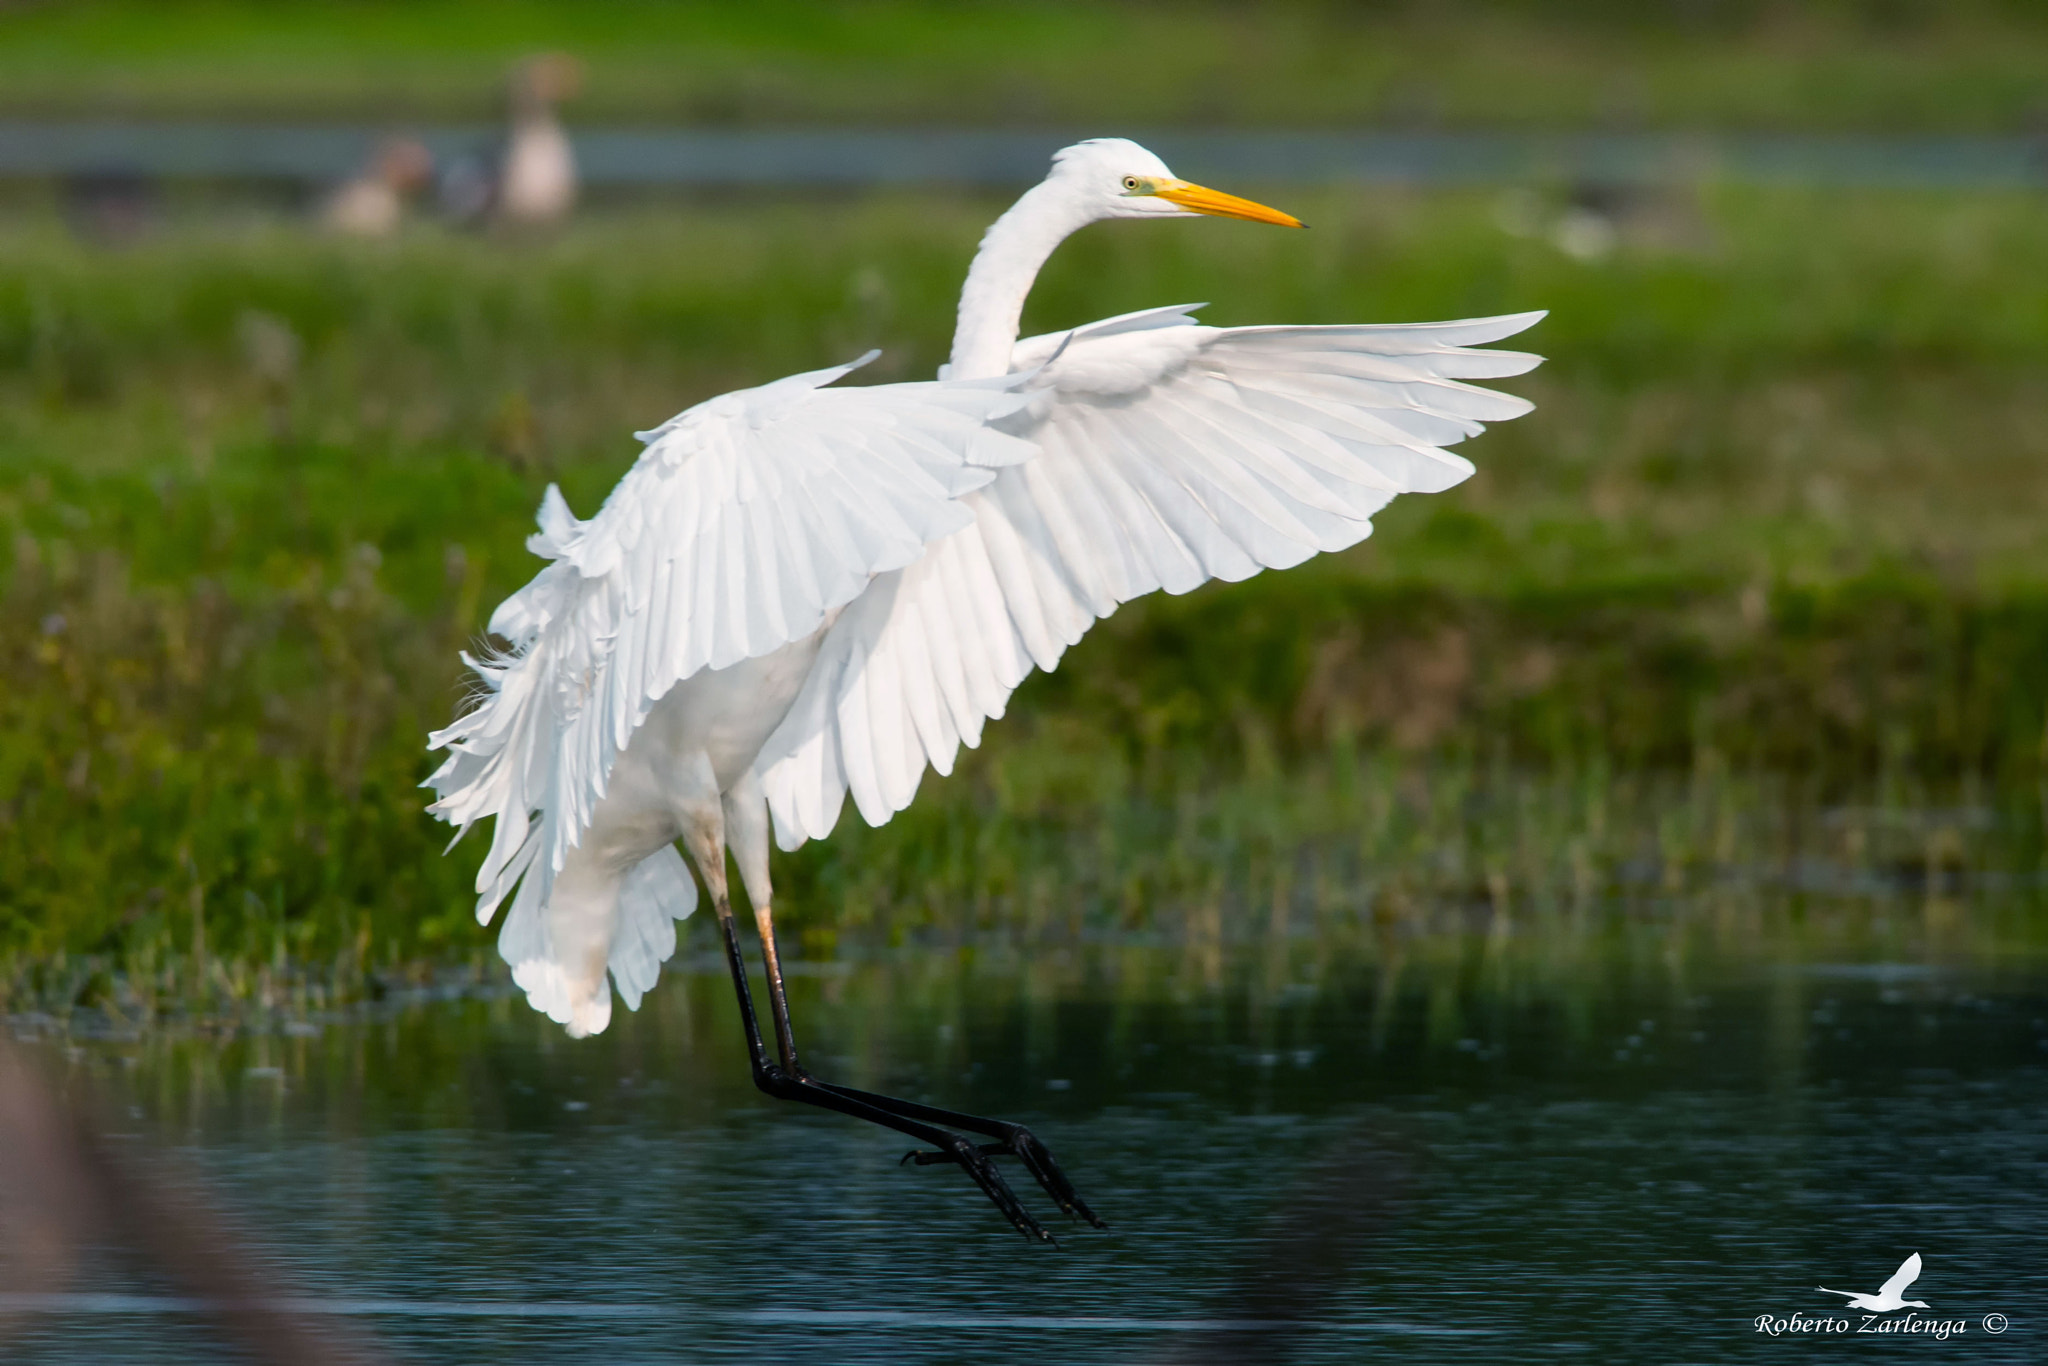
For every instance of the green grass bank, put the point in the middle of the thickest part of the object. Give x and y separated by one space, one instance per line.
1767 553
1912 66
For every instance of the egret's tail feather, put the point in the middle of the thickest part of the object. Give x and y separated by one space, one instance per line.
652 899
564 998
560 949
545 967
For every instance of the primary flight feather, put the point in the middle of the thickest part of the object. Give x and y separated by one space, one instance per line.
800 594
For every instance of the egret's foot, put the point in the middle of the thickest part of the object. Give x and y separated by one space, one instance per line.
977 1164
908 1118
1013 1140
1020 1143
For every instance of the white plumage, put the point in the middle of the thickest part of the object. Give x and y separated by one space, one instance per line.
801 593
745 525
1168 454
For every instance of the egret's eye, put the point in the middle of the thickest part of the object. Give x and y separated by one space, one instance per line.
1132 183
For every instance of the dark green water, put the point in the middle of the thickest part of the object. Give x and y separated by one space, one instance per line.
1493 1151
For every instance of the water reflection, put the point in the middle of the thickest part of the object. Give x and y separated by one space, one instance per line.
1316 1149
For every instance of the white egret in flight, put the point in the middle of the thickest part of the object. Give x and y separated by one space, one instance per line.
800 593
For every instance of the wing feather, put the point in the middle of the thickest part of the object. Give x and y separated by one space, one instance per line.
1168 454
745 524
1908 1272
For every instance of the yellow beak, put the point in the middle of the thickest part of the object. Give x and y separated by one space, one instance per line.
1201 199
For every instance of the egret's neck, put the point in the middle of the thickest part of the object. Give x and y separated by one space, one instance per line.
992 301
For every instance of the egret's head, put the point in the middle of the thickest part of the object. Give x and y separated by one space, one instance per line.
1116 178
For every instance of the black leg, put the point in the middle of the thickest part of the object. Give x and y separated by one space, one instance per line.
788 1081
778 1000
736 963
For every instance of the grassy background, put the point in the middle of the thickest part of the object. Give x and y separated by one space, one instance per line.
1898 65
1767 553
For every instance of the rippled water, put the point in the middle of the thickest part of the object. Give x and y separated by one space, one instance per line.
1310 1155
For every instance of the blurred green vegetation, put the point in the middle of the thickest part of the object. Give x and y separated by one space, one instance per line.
1900 65
1768 552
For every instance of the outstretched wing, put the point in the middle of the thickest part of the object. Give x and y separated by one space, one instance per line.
1169 454
745 523
1908 1272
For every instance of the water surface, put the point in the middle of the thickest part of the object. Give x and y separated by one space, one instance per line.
1308 1152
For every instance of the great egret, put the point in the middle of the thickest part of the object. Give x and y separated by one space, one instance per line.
799 593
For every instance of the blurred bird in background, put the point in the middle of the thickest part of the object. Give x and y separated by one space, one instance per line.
537 178
530 178
372 202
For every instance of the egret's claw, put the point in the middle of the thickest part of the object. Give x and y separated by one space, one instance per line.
1013 1140
975 1160
1037 1158
1023 1145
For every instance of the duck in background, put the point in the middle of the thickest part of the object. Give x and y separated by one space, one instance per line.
530 177
537 178
372 203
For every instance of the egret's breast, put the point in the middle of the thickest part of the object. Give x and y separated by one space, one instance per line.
729 713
